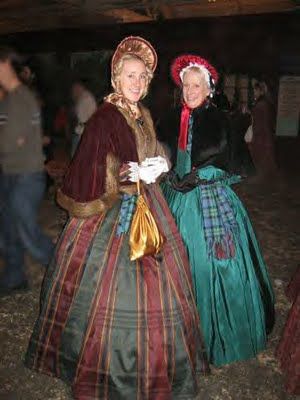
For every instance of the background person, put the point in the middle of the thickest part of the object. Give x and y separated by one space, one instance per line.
22 179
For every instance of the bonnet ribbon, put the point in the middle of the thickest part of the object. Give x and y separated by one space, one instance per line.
184 124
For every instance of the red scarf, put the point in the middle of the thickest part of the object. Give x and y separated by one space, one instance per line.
184 125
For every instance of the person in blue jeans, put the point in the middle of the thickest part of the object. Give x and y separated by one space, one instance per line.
22 177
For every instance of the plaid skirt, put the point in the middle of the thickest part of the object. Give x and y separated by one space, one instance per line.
117 329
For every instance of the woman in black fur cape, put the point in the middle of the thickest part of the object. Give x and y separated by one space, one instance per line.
232 288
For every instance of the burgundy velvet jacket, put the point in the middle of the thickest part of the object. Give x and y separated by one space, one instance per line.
112 138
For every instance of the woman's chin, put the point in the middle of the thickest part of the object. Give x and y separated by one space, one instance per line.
134 98
193 104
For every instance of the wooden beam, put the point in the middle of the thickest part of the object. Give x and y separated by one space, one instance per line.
230 7
166 10
26 23
178 36
34 15
127 16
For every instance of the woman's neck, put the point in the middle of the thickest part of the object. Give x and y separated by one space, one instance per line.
135 109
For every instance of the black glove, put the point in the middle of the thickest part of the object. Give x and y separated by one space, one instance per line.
187 183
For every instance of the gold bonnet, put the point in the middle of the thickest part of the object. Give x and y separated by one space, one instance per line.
137 46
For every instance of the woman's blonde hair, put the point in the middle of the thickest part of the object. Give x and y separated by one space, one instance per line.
118 69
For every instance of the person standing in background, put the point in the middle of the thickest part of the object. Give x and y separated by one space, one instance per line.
2 95
262 145
84 107
22 177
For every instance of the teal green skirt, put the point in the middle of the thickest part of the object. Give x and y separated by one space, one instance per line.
234 296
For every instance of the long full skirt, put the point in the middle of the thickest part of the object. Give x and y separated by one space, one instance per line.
234 296
118 329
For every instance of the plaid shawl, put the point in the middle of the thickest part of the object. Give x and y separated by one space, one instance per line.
218 220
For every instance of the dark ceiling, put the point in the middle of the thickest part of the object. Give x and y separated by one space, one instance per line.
45 15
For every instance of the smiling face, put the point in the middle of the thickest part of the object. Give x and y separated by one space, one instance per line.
133 80
194 87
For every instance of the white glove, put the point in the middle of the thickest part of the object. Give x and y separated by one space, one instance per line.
147 174
144 173
158 164
149 170
133 175
134 166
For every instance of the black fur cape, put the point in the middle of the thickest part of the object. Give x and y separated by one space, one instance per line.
217 139
210 136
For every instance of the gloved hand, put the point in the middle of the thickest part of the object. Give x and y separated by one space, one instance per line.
133 167
148 174
149 170
144 173
159 162
158 165
187 183
133 172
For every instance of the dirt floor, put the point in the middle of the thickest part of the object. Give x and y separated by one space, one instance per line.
275 210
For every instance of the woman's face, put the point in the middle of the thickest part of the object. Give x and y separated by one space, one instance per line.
133 79
194 88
